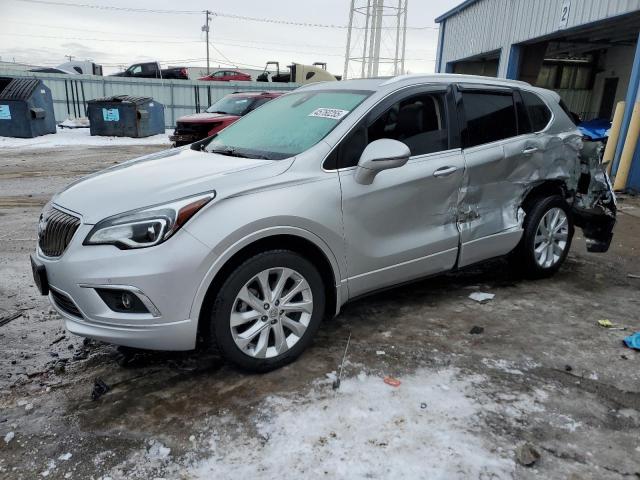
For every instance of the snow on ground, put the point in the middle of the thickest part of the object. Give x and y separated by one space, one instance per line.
430 427
66 137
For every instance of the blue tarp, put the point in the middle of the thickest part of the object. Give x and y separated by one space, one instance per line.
633 341
597 129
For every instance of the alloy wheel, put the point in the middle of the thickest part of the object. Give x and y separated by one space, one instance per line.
271 312
551 237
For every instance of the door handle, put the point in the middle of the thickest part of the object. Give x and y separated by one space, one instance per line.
444 171
529 150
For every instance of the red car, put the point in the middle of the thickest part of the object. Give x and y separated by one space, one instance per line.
227 76
225 111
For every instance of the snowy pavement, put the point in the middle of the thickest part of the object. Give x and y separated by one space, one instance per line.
431 426
66 137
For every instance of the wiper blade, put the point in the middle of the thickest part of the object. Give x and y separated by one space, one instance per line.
232 152
220 111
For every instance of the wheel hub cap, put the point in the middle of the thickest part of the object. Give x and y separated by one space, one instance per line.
271 312
551 238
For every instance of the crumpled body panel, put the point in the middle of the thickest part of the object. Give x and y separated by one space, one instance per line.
499 176
594 207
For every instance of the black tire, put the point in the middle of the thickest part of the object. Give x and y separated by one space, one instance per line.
220 335
523 259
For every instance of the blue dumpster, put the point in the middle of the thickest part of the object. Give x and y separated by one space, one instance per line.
26 108
125 116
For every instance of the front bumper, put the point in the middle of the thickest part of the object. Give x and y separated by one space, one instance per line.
167 276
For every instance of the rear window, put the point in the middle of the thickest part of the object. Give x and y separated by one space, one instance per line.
539 113
490 117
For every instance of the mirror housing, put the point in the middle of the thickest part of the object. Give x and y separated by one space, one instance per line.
380 155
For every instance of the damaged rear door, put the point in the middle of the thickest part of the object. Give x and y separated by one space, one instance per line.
496 157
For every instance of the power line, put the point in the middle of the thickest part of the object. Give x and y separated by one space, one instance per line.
182 42
199 12
110 7
57 27
300 24
221 54
306 52
100 39
227 39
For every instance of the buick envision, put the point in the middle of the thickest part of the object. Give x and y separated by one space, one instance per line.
248 239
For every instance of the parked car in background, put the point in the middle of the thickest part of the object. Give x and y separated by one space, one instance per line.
226 76
74 67
153 70
221 114
249 239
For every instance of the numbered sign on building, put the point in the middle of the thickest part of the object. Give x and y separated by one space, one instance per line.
564 14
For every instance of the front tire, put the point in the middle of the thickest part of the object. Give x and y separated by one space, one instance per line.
267 311
546 240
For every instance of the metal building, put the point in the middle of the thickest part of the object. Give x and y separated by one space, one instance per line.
586 50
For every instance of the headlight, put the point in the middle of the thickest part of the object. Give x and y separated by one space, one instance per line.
148 226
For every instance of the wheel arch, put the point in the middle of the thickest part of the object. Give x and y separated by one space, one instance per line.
298 240
546 188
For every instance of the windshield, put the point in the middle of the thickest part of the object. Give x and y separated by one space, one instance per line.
288 125
232 105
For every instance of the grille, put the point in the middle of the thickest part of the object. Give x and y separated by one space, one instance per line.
55 231
188 128
65 303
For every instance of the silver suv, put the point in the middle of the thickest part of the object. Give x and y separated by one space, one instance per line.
247 239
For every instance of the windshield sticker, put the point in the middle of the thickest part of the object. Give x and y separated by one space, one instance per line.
5 113
110 114
334 113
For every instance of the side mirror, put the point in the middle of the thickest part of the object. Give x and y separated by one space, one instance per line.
380 155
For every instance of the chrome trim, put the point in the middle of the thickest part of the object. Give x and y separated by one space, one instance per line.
129 288
47 209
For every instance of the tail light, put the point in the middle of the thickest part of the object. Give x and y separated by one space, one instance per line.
183 71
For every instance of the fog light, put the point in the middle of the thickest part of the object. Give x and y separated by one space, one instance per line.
126 300
122 301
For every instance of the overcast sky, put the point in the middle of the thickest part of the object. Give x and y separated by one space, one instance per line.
42 33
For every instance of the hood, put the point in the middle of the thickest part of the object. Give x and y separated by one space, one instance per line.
162 177
207 117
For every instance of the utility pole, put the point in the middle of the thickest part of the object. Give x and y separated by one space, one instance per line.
70 57
205 28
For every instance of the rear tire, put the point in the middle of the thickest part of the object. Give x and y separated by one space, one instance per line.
267 311
546 239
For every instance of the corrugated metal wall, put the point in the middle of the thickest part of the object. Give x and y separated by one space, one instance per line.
490 25
578 101
180 97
